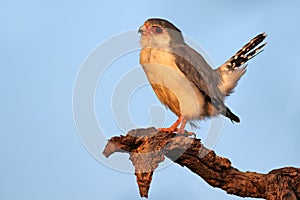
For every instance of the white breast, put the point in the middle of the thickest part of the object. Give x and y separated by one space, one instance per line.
190 100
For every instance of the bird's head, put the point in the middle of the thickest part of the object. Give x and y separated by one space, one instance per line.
159 33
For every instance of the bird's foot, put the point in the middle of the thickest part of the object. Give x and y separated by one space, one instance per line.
184 132
190 134
168 130
181 130
176 130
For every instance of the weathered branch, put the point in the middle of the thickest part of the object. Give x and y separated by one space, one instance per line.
147 148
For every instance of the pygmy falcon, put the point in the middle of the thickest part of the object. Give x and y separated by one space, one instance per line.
183 80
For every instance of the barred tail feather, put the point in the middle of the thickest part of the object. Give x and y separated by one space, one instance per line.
234 68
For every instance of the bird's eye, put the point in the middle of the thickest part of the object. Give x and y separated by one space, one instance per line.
157 29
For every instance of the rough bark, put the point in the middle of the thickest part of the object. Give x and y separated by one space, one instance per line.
148 147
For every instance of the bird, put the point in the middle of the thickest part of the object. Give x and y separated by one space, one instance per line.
183 80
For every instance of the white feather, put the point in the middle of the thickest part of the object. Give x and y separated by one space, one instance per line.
230 78
190 99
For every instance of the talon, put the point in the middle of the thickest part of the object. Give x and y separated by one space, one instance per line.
190 134
168 130
173 128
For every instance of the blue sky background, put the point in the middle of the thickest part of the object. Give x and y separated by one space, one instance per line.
44 43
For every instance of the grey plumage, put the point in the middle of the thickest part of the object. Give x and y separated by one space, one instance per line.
198 71
163 46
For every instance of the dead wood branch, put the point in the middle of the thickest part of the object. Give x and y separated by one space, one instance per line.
148 147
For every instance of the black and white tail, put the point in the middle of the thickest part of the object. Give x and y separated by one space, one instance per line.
234 68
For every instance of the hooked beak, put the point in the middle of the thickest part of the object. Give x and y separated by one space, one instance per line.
142 30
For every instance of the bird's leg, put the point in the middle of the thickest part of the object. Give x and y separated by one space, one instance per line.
181 128
183 123
173 128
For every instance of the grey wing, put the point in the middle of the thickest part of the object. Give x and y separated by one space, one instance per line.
198 71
